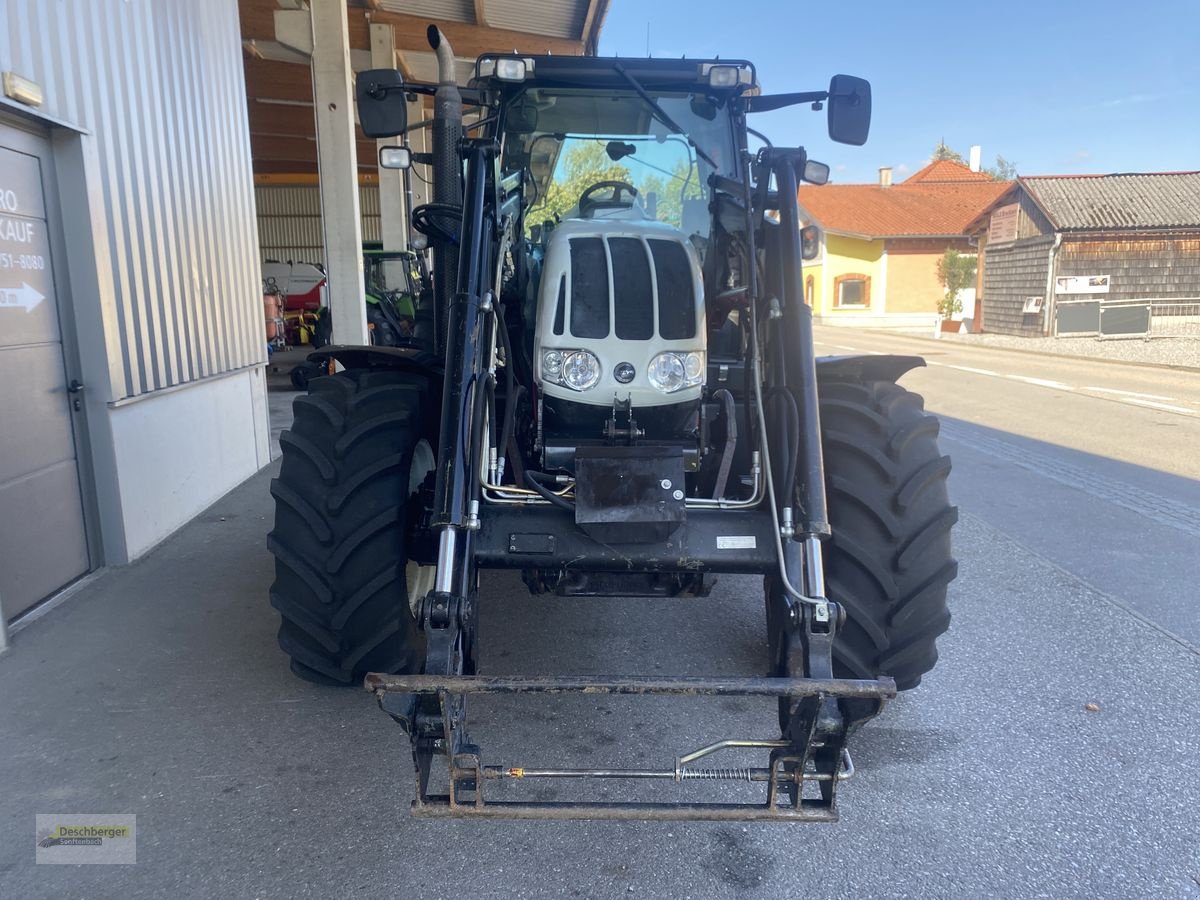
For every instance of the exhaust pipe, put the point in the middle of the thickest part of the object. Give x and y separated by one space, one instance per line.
447 179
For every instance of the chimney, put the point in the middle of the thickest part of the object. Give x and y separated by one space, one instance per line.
885 176
976 153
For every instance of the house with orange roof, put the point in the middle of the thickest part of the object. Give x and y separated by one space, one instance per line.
880 243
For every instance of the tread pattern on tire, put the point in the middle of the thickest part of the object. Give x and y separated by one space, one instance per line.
889 559
340 524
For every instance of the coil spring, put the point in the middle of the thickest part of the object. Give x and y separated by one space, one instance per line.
716 774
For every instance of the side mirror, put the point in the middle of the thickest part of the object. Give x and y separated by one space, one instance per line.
382 105
521 118
815 172
849 109
810 242
395 158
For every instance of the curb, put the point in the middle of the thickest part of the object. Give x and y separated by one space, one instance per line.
1044 353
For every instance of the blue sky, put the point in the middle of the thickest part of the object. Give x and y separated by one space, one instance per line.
1057 87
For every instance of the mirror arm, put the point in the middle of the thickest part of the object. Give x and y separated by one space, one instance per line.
768 102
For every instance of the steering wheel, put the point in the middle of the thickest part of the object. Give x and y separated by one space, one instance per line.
623 196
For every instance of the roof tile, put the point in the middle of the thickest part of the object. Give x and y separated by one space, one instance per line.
940 199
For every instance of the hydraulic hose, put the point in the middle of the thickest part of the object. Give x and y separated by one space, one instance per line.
534 480
512 391
793 445
485 401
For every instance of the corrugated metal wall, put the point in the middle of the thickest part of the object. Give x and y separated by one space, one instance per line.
159 84
289 221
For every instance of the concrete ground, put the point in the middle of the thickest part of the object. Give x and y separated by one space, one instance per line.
158 690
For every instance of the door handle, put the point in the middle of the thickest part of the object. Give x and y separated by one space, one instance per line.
75 386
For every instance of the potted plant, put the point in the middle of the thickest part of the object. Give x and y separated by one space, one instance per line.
956 271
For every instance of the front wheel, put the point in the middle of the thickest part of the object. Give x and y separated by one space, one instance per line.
888 561
360 448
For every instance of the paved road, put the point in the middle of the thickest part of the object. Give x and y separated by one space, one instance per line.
158 691
1092 465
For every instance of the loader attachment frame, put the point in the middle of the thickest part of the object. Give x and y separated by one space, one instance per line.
817 714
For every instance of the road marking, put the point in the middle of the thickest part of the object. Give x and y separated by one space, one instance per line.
1164 406
1127 393
1153 506
1131 398
1041 382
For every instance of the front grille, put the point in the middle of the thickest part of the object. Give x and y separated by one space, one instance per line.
589 288
633 289
631 293
676 303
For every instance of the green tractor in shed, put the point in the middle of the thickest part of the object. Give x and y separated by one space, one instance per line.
619 399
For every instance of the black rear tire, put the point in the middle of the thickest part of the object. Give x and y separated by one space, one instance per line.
302 374
341 524
889 561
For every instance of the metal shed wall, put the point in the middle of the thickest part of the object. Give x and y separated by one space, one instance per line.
289 221
160 85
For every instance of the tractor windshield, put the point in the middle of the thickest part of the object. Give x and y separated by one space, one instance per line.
577 139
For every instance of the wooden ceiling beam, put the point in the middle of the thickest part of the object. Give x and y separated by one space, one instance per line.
268 118
592 20
258 22
277 81
481 12
470 41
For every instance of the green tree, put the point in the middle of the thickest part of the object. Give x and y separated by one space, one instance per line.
1003 170
941 151
671 192
956 271
585 163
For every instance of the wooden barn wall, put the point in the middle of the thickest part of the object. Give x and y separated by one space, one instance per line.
1031 222
1151 266
1011 273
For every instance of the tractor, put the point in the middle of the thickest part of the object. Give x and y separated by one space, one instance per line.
615 393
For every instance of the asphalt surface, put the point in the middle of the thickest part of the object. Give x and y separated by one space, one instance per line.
157 690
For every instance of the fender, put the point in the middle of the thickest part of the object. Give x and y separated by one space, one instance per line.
880 367
407 359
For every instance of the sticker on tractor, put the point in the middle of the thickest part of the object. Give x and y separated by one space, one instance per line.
736 542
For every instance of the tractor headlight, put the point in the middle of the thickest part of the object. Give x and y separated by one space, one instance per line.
671 372
581 370
578 370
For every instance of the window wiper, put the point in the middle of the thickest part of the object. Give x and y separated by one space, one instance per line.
661 115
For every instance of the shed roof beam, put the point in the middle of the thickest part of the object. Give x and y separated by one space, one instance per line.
469 40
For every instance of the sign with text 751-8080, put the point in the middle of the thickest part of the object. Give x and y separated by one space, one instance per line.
25 280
